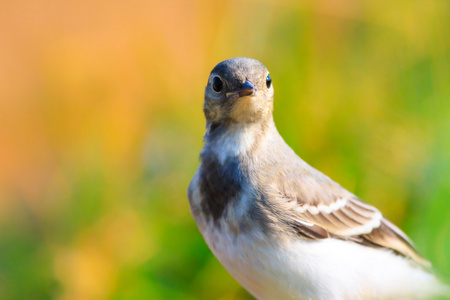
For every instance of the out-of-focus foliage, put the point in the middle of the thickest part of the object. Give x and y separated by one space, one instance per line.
101 125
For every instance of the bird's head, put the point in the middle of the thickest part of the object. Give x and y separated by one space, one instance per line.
239 90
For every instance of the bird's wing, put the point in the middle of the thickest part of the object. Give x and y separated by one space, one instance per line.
347 217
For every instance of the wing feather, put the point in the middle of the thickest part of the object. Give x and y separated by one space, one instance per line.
355 221
312 197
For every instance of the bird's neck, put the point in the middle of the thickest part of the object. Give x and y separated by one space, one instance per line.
239 139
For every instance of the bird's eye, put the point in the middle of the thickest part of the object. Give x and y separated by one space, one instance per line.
217 84
268 81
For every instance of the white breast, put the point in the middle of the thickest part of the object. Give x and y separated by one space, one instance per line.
327 269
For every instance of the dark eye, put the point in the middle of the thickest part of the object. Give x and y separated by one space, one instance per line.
217 84
268 81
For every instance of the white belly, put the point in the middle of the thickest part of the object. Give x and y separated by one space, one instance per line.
327 269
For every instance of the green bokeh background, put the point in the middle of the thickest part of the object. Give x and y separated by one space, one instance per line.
101 128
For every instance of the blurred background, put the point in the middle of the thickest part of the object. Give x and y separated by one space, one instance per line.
101 126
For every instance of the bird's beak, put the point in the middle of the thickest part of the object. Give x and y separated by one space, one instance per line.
247 89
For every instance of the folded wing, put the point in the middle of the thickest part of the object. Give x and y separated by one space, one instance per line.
352 219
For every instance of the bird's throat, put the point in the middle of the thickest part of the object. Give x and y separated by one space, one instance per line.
237 139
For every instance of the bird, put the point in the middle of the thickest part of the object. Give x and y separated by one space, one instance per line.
281 228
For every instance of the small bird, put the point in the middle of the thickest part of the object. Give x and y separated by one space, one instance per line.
283 229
